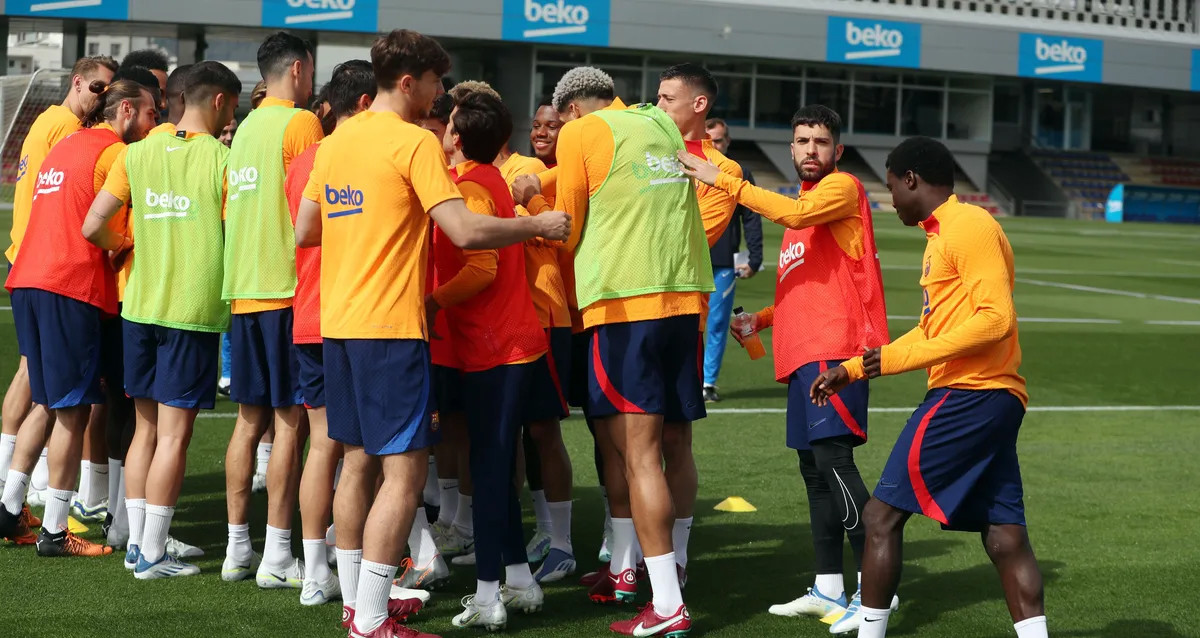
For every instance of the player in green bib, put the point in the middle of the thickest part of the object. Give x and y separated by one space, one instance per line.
260 281
173 313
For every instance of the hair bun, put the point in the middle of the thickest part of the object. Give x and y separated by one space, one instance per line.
98 87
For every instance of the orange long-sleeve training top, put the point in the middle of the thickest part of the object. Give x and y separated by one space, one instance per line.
967 334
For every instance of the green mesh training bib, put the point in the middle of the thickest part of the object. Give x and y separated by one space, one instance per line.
260 241
175 187
643 233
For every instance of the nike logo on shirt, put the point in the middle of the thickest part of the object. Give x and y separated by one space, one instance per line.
171 149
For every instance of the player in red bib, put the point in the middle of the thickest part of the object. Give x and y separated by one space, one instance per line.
828 305
60 290
498 339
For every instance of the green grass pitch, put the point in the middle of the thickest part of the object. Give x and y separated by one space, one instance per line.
1110 494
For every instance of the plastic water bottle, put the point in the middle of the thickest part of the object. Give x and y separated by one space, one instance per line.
743 323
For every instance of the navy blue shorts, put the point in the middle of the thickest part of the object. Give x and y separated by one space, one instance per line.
447 389
264 370
177 368
846 412
379 394
548 400
956 460
577 384
61 339
311 373
647 367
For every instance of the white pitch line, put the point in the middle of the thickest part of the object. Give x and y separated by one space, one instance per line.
1085 320
1107 291
1172 323
902 410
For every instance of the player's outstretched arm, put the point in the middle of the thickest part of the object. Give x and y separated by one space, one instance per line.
479 232
308 224
96 227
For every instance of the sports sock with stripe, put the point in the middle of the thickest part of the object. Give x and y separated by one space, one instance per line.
664 580
58 507
874 622
349 564
15 488
374 589
449 501
277 549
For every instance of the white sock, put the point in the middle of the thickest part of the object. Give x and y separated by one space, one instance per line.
40 479
154 539
487 591
621 546
607 510
830 585
8 445
420 541
680 534
518 576
15 487
1032 628
877 627
560 526
349 563
432 494
85 482
116 507
331 535
277 549
541 509
374 589
113 474
58 506
337 474
136 510
238 548
463 521
664 579
449 501
262 457
98 476
316 563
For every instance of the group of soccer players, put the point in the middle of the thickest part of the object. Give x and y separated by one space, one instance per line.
398 283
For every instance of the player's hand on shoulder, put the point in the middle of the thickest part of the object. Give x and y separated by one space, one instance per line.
872 362
525 187
698 168
828 383
554 225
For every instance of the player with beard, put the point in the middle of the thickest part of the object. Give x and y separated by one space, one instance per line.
828 305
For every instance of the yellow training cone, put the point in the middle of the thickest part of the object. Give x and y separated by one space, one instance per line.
834 617
75 526
735 504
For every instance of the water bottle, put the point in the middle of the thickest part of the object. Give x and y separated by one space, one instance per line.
743 324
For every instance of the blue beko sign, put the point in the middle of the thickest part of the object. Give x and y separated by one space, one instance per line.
874 42
1061 58
1196 69
337 15
87 9
558 21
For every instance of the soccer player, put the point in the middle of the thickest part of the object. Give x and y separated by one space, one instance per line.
59 289
618 177
155 61
828 255
497 337
956 459
50 127
543 133
350 91
725 271
378 181
260 280
171 340
547 464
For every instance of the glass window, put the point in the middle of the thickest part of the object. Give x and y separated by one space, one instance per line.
921 113
93 48
775 102
726 66
114 50
835 96
786 70
1007 103
604 58
733 102
924 80
628 85
876 77
546 78
978 84
875 109
970 117
828 73
561 55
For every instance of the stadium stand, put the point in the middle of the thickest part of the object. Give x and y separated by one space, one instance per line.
1086 177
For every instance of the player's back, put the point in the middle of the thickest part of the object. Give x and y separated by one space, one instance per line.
968 269
50 127
375 178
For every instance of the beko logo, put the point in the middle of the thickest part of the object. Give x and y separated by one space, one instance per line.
321 10
877 41
1061 57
